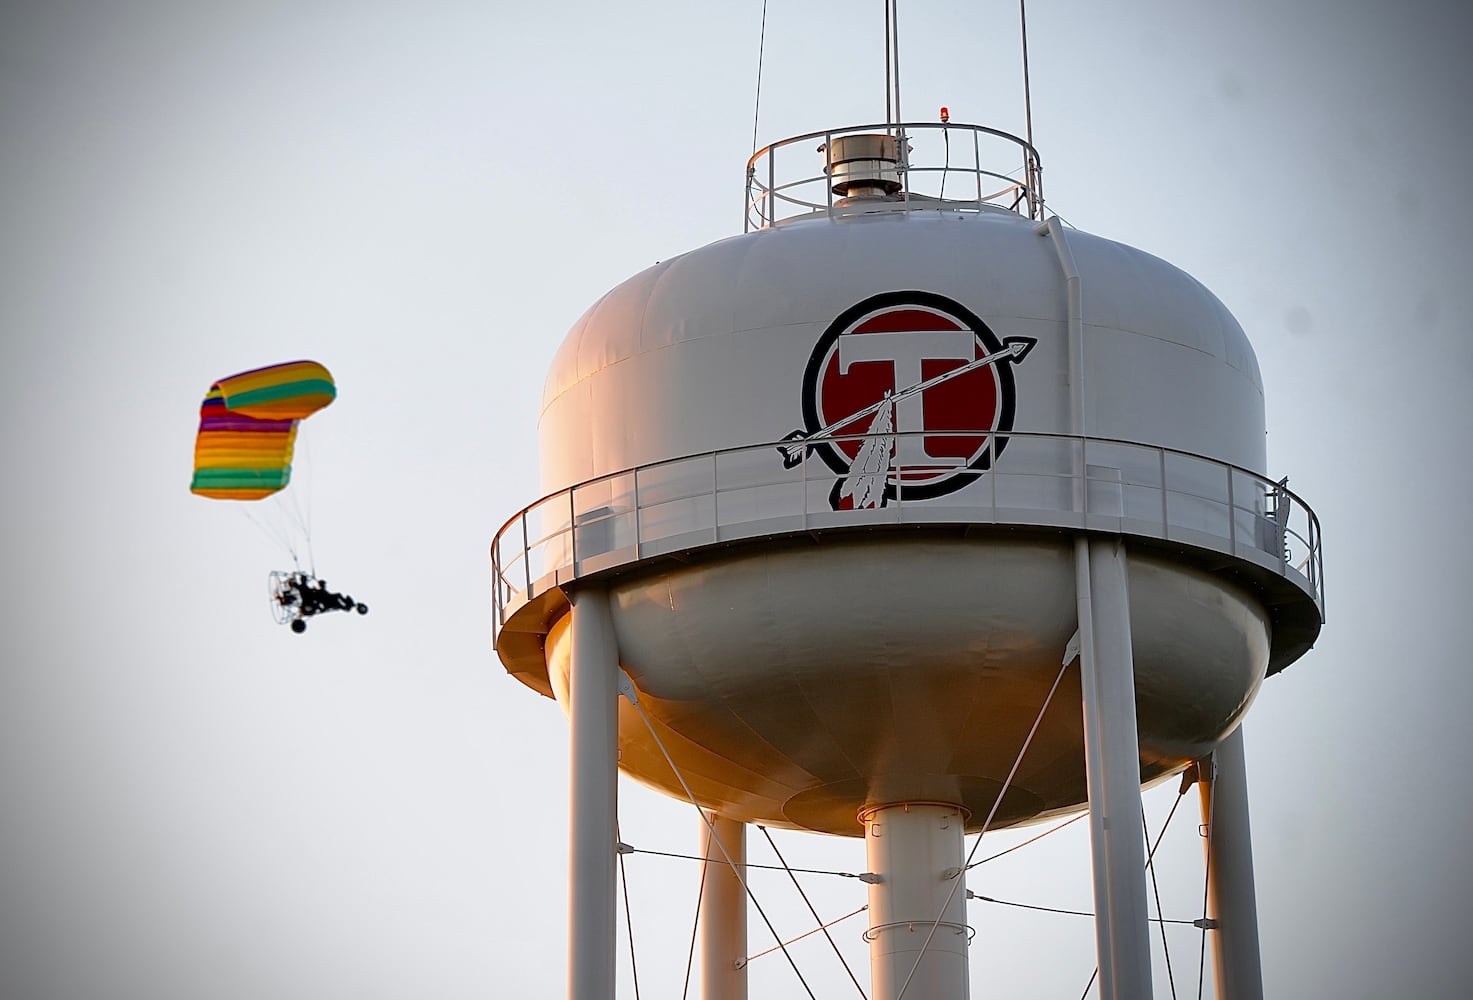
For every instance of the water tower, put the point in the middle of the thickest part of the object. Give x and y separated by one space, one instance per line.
906 511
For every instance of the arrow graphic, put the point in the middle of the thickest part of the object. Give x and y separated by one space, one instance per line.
1014 350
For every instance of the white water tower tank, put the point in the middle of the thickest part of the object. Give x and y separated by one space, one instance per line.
838 577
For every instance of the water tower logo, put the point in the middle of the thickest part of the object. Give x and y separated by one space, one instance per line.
920 391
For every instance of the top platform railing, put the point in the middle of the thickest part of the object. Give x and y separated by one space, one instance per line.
954 166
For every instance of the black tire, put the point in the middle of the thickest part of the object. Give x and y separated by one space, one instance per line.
298 626
363 609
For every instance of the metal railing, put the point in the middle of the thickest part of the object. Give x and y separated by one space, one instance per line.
1045 480
959 167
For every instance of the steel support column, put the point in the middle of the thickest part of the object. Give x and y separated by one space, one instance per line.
1232 902
723 916
918 930
593 695
1112 763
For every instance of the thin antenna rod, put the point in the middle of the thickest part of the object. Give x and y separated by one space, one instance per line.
757 104
894 50
1030 157
1027 97
889 115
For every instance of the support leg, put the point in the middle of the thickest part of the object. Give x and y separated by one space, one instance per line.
593 692
1112 762
723 916
1231 900
914 847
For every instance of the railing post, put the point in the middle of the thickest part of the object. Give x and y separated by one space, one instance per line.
977 165
526 557
496 584
1319 566
803 498
899 473
992 472
572 533
747 202
902 157
1165 514
638 541
1028 174
1034 173
1232 516
828 174
771 186
1079 462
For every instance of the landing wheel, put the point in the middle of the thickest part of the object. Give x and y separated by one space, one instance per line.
363 609
299 626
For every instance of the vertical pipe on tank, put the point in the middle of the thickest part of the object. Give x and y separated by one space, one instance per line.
723 910
593 693
916 849
1074 322
1231 900
1074 313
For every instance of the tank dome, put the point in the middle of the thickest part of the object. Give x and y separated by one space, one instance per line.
708 350
830 474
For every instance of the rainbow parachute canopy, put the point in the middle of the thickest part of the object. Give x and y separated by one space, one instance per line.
248 425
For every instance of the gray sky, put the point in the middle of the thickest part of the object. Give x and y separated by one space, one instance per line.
194 803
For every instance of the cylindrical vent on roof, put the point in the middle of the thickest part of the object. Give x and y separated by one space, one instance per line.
862 165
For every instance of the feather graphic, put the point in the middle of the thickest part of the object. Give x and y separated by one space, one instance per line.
871 467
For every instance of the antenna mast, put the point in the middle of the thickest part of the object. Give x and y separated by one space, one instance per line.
892 65
1034 194
1027 97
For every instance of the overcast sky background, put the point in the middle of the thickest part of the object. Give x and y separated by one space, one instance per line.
195 803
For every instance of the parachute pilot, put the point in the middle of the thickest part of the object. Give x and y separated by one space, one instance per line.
300 596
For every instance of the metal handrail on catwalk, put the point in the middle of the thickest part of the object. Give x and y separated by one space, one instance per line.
724 497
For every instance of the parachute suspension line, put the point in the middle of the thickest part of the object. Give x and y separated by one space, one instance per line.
711 831
296 527
996 804
690 956
817 919
628 919
304 514
273 532
757 104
